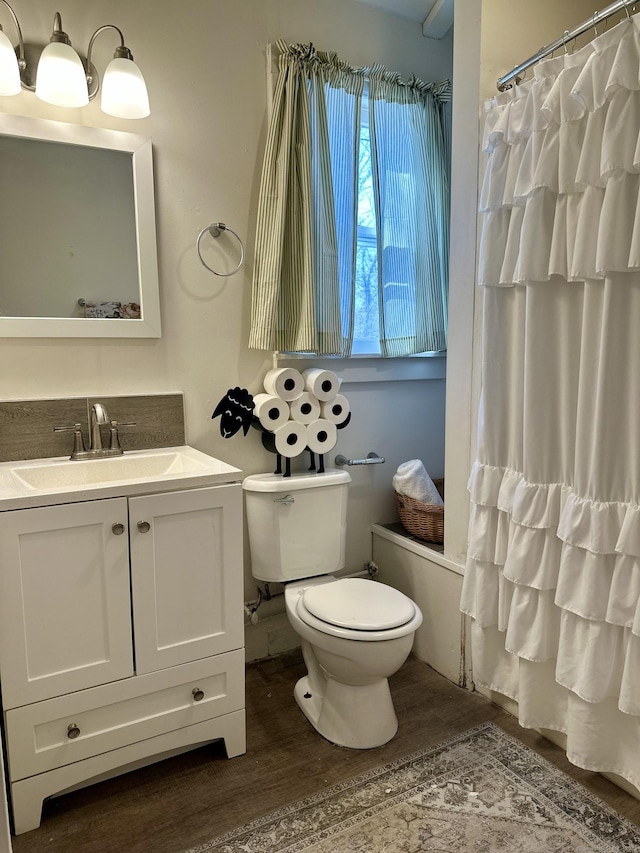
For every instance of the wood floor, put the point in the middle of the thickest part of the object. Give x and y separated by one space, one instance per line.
184 801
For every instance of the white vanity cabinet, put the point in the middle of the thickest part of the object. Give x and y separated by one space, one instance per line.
121 636
65 605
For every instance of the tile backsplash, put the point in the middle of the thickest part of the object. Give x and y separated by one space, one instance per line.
26 426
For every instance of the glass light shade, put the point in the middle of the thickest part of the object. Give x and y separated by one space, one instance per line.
124 92
60 78
9 71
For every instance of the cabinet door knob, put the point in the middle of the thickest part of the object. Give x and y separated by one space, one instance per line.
73 731
144 526
118 528
198 694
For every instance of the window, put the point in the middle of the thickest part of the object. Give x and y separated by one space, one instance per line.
366 320
352 232
385 293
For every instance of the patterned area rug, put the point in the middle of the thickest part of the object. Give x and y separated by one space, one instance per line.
481 792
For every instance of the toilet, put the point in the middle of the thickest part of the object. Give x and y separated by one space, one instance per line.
354 632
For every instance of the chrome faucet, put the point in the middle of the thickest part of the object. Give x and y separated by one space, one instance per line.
97 416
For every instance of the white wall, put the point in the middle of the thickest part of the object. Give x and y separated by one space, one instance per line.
513 30
464 182
204 64
434 583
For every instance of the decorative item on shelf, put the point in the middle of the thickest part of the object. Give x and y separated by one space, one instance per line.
105 309
420 501
289 415
235 411
59 76
424 521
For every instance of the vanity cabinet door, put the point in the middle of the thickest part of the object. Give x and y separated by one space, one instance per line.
65 604
186 575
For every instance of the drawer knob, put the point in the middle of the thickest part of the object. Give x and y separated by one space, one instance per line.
117 528
144 526
198 694
73 731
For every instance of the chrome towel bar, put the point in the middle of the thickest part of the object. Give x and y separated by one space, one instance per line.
372 459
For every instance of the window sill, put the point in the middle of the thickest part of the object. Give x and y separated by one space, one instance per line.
361 368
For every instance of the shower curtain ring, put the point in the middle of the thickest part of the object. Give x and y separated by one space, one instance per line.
565 36
626 7
516 81
595 21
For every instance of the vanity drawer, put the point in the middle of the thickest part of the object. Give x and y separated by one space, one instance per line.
43 736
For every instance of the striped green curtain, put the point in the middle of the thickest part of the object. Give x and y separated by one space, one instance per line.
296 295
305 273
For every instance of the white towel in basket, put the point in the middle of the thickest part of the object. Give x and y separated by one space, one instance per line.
412 479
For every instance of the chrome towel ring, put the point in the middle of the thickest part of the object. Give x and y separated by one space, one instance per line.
215 229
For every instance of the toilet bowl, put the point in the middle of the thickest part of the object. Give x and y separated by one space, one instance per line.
354 632
345 694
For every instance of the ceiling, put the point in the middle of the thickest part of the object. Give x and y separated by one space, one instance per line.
413 10
441 12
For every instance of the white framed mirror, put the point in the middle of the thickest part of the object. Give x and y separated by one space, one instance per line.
77 232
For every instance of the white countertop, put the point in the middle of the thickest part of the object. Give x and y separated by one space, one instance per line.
45 482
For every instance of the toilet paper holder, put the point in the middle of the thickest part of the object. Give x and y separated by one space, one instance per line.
372 459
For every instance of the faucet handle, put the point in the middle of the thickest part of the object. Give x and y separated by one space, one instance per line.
114 438
78 440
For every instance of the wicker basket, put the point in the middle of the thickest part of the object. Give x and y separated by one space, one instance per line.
424 521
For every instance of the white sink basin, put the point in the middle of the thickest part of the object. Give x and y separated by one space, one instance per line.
132 473
91 471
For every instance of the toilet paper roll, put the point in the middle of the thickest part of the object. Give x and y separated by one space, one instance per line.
305 409
323 384
322 436
336 410
290 439
271 411
284 382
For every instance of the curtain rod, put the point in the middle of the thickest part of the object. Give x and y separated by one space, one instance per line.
568 35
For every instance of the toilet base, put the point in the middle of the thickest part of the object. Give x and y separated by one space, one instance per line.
359 717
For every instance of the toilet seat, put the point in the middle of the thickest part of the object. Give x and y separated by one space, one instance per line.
359 604
358 609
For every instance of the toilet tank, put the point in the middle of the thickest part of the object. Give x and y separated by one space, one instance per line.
297 525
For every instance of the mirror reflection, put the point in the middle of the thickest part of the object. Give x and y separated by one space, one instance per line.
77 232
74 206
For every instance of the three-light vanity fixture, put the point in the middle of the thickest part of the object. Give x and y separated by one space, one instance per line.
58 75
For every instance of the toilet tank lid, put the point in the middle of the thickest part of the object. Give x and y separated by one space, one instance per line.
303 480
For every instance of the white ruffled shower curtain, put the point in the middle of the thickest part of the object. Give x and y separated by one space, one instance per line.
553 573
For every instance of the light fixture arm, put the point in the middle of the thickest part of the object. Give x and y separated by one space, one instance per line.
121 52
58 34
21 60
